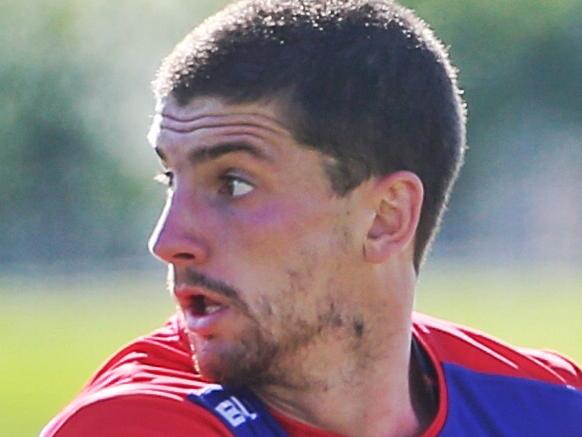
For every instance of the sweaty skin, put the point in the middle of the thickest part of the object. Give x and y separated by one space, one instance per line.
284 286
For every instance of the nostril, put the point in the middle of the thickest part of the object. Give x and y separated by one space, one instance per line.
184 256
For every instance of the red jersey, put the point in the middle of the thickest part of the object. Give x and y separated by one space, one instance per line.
485 388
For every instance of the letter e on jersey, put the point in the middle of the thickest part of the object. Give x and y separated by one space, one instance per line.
234 411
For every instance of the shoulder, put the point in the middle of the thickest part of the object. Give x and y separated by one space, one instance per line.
140 392
118 414
459 345
488 385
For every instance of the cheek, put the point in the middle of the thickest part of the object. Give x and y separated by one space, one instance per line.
281 229
282 254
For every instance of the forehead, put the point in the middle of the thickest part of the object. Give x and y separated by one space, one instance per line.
206 120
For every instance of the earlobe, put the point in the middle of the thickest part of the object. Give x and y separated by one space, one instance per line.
398 201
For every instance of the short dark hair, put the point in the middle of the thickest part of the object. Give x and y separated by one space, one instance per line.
366 82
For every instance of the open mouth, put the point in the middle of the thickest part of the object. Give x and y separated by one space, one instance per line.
198 304
202 306
204 310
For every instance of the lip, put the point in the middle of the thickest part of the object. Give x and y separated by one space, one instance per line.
207 325
204 325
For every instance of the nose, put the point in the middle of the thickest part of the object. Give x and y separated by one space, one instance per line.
174 239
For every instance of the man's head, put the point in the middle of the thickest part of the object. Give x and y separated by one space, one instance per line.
299 138
365 82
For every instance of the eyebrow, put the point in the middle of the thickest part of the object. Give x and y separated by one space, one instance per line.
210 153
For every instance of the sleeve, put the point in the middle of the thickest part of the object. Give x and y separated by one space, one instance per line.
135 416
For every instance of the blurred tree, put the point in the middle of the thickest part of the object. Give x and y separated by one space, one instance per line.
63 196
520 64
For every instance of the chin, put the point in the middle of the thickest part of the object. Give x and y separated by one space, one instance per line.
240 364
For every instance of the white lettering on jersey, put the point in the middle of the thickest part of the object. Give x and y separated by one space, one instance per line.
234 411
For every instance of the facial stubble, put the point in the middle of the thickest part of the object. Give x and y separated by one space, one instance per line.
277 332
275 335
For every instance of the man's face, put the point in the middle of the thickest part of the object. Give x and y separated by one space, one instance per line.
264 258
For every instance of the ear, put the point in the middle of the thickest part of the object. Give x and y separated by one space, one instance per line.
397 204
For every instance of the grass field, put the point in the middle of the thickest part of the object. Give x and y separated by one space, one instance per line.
55 331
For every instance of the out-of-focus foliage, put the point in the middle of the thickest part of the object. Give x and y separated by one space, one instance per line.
521 68
75 104
73 168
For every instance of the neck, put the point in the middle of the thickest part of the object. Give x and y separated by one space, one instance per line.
362 390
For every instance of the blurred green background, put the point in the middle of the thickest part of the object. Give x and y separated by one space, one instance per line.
77 201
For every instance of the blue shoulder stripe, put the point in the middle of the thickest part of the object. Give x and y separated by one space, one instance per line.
243 413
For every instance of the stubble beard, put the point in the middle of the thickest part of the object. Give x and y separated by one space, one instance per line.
258 358
244 363
263 357
270 351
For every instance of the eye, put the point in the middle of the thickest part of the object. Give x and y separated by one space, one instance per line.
235 186
166 178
